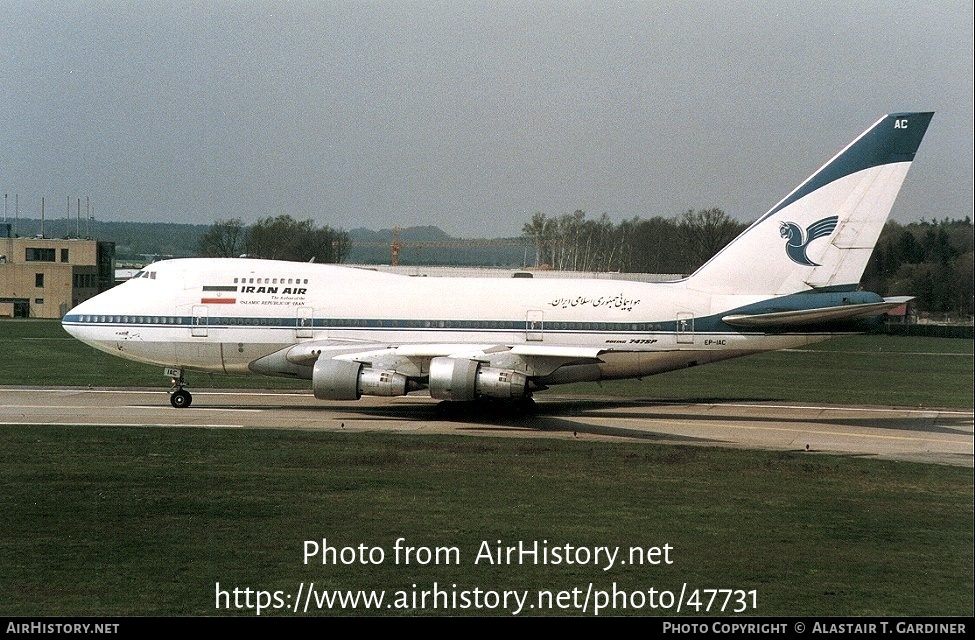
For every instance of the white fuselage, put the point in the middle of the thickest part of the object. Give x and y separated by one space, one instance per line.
222 315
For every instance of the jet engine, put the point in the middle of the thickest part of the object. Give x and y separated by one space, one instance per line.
466 380
347 380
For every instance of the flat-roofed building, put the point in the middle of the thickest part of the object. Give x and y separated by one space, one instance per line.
45 277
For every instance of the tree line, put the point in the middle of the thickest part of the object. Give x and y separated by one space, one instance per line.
932 261
658 245
275 238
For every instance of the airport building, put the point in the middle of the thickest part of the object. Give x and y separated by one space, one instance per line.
45 277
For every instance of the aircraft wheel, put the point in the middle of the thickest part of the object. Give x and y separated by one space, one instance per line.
181 399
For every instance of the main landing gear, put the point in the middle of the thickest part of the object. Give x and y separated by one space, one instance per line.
179 397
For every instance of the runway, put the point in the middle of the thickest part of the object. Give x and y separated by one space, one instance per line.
925 435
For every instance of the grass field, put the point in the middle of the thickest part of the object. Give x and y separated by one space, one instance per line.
146 521
131 521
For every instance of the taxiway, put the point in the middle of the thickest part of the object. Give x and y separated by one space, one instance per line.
926 435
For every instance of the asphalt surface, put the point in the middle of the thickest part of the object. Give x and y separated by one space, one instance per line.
926 435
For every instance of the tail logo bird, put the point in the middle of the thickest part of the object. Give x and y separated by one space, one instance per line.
797 241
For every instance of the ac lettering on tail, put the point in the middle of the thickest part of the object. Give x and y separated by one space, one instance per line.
900 124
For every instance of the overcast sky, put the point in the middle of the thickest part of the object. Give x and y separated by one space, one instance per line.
468 115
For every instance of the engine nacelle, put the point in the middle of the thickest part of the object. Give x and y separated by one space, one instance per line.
347 380
465 380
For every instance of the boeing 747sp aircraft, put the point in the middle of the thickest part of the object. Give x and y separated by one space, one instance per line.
788 280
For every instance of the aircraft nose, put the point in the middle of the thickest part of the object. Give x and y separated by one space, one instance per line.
76 321
71 320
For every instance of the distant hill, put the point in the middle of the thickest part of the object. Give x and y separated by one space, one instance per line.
432 246
424 245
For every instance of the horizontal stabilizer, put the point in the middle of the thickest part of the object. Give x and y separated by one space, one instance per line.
821 315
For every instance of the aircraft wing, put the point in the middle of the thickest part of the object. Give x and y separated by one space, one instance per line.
534 359
803 317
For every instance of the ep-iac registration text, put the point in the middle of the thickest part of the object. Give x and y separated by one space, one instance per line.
585 597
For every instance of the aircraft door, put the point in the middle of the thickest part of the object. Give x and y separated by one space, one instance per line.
534 325
305 322
199 351
200 321
685 328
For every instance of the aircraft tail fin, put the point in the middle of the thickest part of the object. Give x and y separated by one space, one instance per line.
822 234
